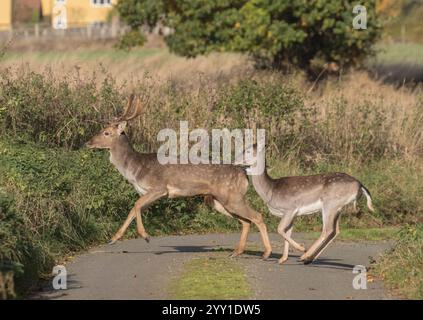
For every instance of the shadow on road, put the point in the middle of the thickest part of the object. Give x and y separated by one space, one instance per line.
331 263
213 249
47 292
187 249
319 263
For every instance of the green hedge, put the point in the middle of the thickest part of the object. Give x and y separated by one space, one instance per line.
277 33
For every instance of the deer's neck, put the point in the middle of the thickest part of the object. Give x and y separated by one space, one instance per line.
263 184
124 158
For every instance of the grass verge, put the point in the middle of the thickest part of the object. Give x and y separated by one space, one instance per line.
402 267
211 278
363 234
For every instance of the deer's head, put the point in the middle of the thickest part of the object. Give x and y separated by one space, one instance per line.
111 134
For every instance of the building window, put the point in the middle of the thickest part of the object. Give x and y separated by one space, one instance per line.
101 3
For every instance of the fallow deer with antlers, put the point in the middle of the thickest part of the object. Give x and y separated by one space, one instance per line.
225 184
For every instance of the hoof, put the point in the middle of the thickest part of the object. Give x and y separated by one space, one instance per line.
305 259
235 254
302 258
301 248
144 236
282 260
266 255
111 242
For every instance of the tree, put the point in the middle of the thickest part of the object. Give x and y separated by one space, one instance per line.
275 33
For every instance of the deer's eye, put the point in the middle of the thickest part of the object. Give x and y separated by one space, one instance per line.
106 133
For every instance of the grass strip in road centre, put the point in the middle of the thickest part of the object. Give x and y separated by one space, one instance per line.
213 277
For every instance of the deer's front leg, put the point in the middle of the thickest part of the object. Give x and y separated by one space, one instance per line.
123 228
142 203
284 226
285 248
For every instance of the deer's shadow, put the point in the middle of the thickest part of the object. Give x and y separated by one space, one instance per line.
252 254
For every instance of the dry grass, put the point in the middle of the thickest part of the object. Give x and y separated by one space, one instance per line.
125 67
352 115
372 112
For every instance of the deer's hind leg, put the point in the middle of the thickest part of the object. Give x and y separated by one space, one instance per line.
245 228
244 211
329 232
336 223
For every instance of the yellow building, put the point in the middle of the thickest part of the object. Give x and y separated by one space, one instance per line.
62 13
76 13
47 7
5 14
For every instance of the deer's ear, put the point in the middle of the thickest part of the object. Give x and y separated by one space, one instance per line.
121 127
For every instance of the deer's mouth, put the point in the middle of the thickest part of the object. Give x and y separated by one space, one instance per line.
91 145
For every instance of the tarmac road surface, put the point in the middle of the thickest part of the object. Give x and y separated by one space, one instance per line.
134 269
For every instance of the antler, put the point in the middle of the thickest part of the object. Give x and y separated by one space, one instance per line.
136 111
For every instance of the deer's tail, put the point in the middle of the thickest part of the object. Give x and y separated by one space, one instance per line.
366 192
